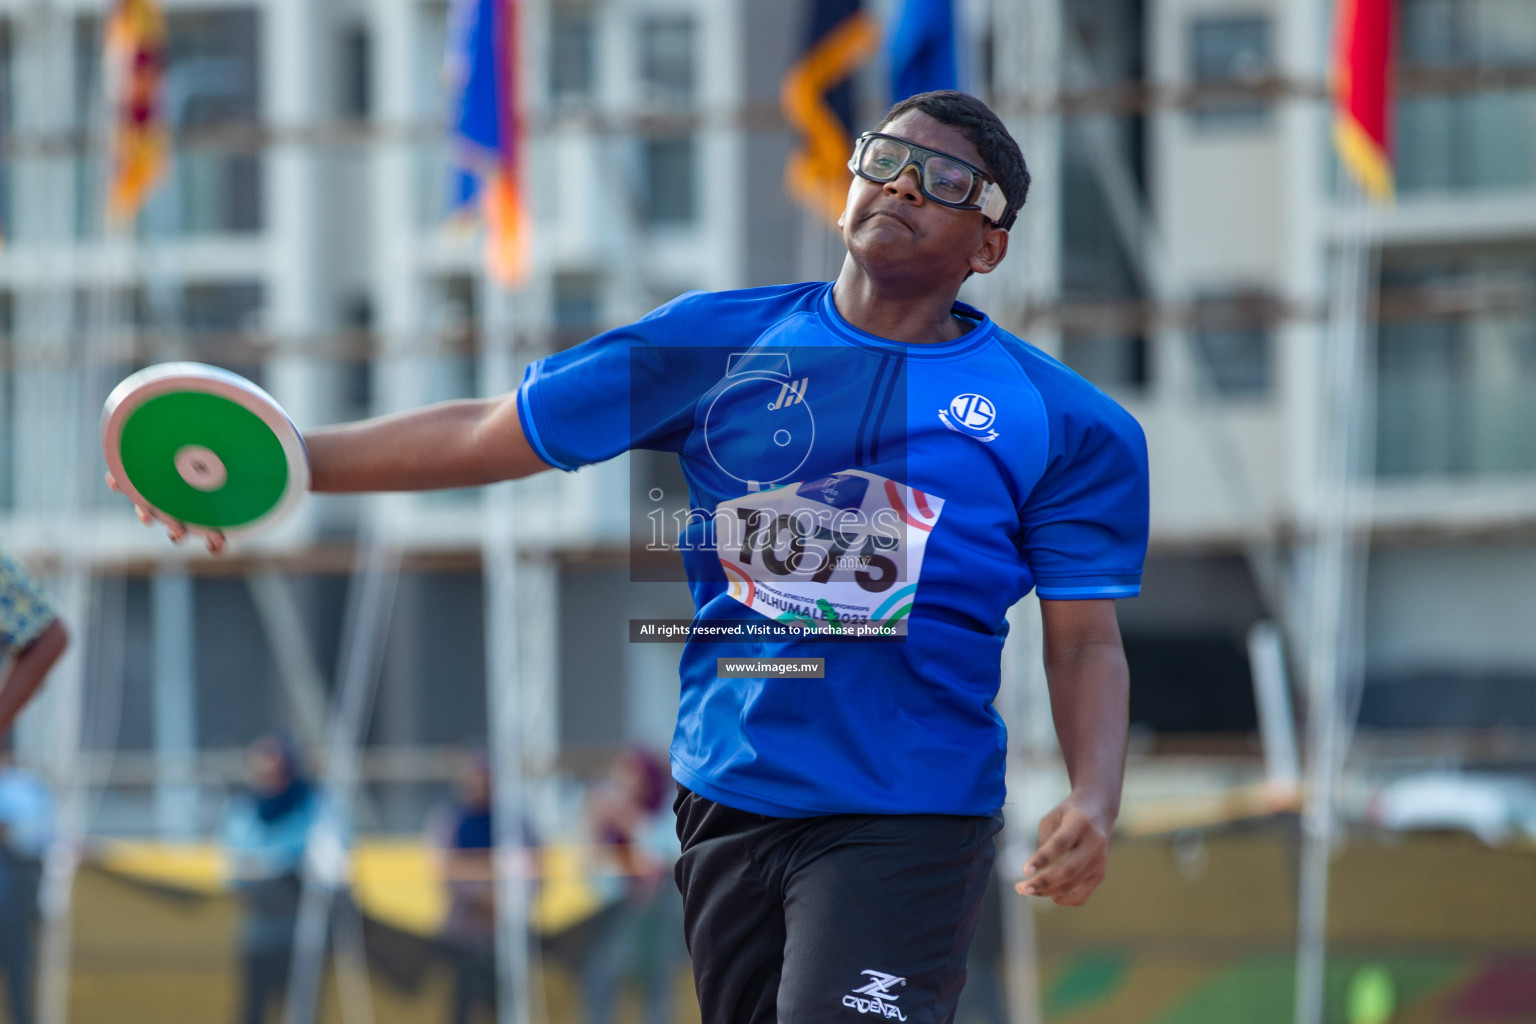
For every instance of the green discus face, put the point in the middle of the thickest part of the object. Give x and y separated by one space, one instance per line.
204 459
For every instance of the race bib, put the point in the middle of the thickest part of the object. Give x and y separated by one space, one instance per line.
841 553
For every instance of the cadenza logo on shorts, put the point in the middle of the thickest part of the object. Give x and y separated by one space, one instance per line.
876 996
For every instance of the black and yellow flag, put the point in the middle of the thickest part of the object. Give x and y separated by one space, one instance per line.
817 97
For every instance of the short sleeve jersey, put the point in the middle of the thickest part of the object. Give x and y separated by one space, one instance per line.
25 610
840 480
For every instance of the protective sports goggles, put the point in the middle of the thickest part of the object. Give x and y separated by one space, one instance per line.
947 180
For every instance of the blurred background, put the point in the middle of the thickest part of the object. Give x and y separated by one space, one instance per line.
269 771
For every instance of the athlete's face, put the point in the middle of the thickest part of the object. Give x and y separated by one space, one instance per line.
893 226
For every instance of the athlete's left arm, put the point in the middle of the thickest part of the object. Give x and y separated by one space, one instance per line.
28 671
1090 696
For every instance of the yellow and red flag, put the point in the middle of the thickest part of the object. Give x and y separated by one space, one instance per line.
817 98
135 78
1362 83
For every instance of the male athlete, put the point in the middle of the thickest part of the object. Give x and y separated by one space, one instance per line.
878 464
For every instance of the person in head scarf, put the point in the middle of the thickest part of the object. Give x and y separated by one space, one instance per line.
638 937
265 834
465 838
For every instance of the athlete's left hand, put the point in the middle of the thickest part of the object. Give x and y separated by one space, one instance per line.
1071 858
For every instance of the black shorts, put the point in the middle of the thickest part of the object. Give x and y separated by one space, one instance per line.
842 918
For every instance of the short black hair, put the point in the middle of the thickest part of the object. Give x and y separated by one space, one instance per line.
983 129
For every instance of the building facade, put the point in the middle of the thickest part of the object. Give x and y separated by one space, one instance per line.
1176 250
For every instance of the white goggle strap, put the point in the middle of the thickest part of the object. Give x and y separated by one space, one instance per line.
993 204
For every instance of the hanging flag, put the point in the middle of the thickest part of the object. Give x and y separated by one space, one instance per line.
135 76
817 99
922 49
1362 81
487 148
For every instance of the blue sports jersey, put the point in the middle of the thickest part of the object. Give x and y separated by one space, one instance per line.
843 481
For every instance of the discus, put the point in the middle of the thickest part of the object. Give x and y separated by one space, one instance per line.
203 446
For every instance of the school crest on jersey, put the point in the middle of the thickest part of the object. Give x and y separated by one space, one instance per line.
972 415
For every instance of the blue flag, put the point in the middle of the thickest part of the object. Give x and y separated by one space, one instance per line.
487 150
922 49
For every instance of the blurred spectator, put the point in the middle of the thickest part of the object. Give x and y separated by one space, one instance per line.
265 833
30 632
639 937
26 827
464 835
32 635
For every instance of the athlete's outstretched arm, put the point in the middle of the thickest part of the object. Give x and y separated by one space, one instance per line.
452 444
1090 702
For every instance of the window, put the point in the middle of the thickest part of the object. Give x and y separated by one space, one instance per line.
1230 51
213 60
224 320
572 78
668 197
452 316
354 396
355 89
577 307
87 168
1456 365
223 308
1113 362
1232 345
666 60
1462 33
1096 259
1460 139
435 186
7 121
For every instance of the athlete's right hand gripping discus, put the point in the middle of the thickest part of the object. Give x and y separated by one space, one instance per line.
203 446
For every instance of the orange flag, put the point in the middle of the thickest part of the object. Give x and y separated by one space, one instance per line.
1362 81
135 76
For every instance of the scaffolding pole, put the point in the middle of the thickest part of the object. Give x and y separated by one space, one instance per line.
370 600
59 475
1028 40
1339 551
504 694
